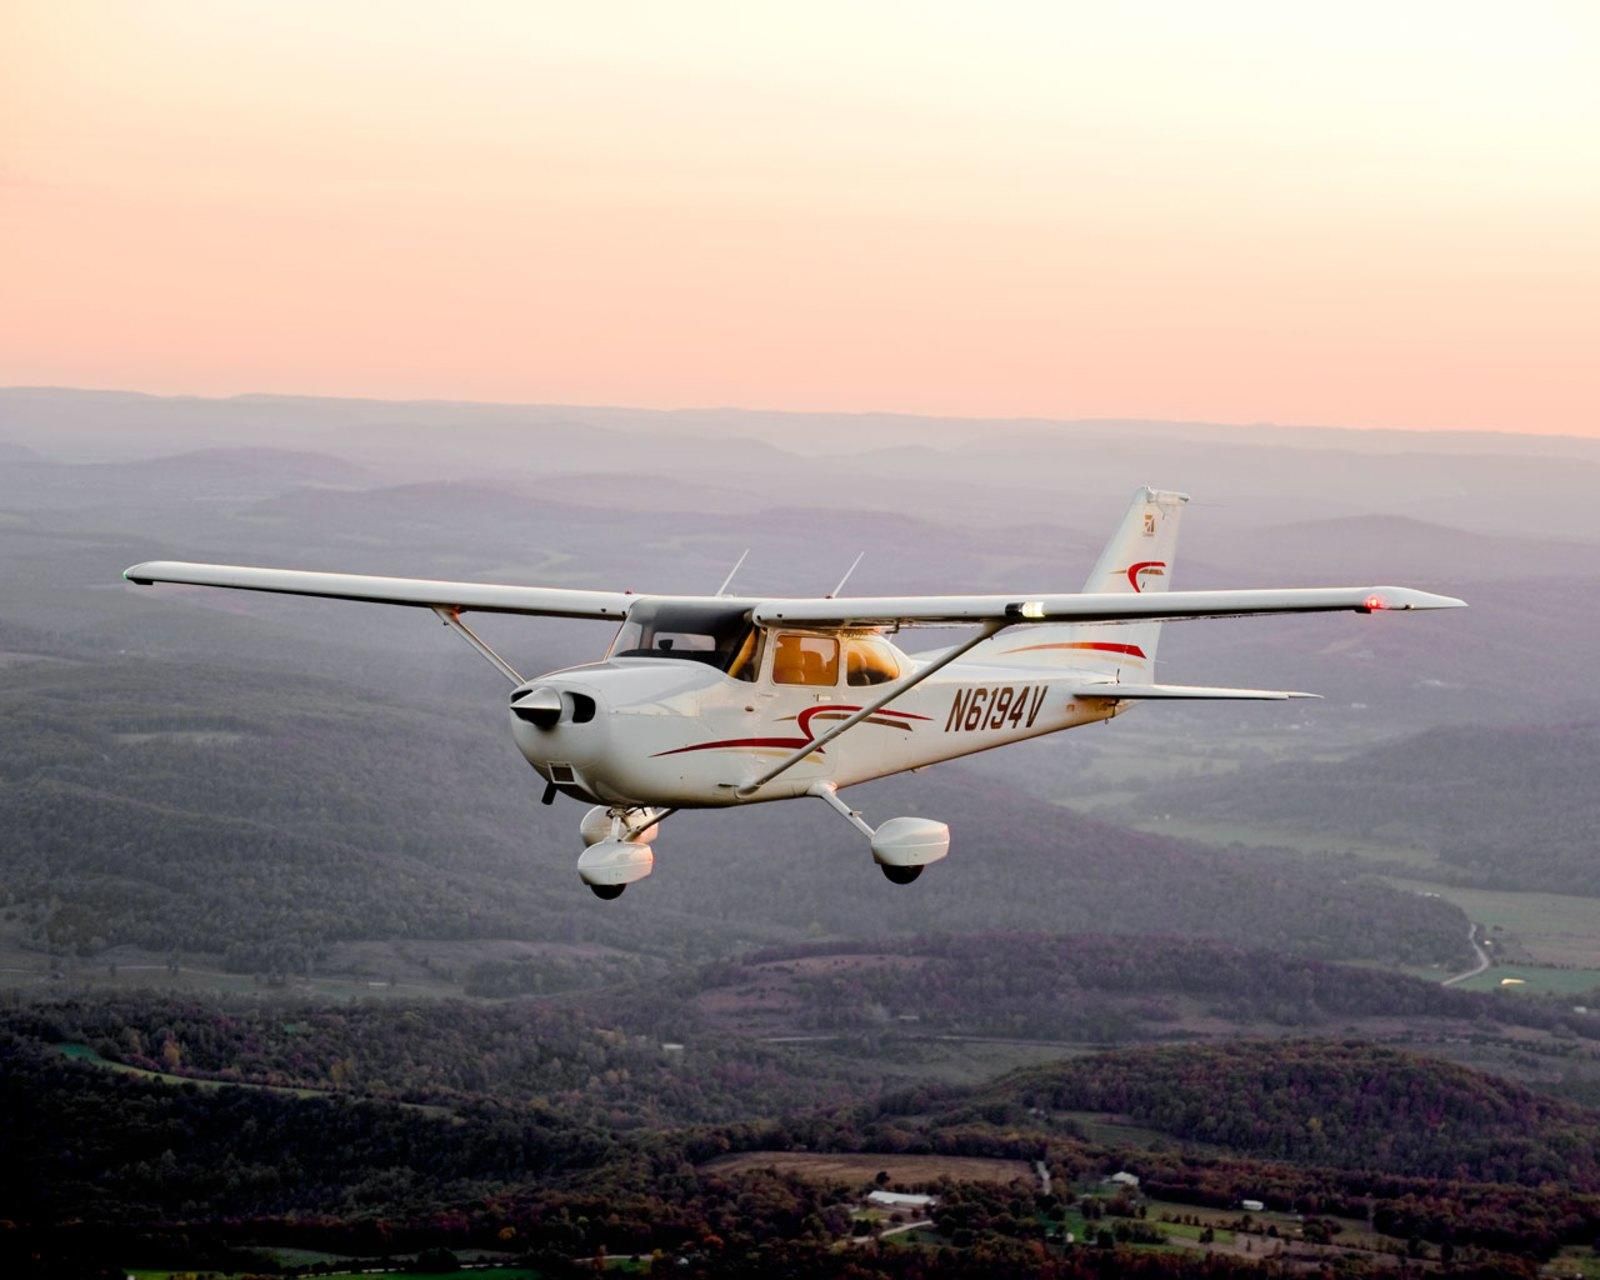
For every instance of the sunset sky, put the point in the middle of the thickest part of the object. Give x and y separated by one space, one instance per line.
1379 214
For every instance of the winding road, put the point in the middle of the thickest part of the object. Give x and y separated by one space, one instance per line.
1483 959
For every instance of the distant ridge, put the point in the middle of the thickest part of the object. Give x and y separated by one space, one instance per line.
1349 435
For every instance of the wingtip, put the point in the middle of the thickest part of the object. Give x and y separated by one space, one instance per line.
138 575
1381 599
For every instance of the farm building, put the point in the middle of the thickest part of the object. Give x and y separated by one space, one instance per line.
900 1200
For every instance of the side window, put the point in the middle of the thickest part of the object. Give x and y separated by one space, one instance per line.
806 660
869 661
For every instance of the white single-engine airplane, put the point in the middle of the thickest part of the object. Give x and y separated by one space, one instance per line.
710 701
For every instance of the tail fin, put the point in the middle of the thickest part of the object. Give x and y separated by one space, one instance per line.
1139 558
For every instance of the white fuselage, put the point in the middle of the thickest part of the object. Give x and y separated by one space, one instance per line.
676 733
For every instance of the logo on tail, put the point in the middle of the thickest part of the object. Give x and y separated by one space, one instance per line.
1145 569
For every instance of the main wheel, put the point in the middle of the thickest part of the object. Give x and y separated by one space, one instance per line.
610 891
901 875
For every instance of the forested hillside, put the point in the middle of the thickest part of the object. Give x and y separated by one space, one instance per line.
1502 808
1091 987
219 1172
213 809
436 1052
216 792
1349 1105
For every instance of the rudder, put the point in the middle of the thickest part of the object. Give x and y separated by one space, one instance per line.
1138 560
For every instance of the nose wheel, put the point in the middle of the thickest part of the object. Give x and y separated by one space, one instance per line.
900 875
618 848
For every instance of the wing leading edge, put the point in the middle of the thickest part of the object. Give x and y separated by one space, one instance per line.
1168 606
477 597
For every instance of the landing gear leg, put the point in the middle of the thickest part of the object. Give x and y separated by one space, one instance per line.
901 847
618 851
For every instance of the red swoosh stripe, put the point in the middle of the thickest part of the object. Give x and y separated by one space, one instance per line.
1134 570
1101 646
825 710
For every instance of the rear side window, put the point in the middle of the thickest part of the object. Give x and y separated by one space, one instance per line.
870 661
806 660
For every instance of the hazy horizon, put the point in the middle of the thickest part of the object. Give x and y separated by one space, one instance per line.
976 418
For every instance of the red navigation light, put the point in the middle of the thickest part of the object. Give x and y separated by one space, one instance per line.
1373 602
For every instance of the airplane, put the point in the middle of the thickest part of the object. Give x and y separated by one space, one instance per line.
705 702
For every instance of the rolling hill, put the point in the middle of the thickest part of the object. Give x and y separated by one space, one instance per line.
1500 807
1347 1105
262 817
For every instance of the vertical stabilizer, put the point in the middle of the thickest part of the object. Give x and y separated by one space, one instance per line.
1138 560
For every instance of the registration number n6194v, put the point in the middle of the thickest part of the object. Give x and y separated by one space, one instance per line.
1002 707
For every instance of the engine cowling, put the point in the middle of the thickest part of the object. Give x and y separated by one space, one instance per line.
910 842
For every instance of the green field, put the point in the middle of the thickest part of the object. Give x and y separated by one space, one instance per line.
1554 938
1556 930
1576 1261
1518 912
83 1053
1537 980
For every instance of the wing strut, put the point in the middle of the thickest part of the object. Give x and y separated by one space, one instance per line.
892 692
452 618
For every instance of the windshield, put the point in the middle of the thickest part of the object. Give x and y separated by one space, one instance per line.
721 636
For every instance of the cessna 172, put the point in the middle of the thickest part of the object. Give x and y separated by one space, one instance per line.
711 701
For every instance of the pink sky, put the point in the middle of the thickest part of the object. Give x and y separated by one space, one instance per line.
1367 214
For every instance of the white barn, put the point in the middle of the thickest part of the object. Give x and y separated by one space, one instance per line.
900 1200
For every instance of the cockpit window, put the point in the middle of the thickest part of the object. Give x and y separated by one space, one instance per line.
718 635
870 660
801 659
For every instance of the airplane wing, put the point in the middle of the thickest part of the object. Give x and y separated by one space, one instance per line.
1167 606
850 611
1192 692
477 597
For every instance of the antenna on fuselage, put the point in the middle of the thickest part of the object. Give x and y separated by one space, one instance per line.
728 581
847 574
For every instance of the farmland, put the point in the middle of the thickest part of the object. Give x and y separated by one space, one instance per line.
903 1170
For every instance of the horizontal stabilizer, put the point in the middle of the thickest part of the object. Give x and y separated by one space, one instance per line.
1194 692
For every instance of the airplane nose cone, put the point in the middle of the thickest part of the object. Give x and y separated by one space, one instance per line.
540 707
